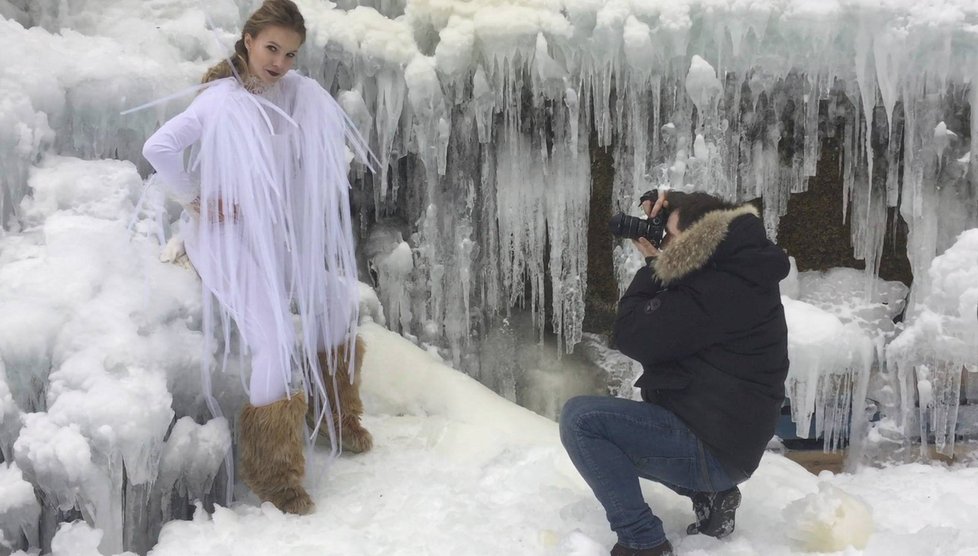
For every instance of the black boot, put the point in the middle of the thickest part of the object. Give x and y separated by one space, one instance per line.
715 512
664 549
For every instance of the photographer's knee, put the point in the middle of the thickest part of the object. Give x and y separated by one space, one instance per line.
570 416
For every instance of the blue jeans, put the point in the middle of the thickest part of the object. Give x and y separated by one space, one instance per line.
613 442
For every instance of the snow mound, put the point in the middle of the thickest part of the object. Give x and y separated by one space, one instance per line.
829 521
78 539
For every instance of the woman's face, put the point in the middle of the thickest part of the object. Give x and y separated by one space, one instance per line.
272 53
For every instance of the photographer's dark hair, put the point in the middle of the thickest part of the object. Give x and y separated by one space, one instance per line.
693 206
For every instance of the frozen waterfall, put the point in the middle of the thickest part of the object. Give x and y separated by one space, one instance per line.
487 117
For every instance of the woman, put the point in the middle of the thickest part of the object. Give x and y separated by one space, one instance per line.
268 228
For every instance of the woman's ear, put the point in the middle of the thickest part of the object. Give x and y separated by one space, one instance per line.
247 41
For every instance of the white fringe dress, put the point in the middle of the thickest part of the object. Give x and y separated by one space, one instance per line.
273 234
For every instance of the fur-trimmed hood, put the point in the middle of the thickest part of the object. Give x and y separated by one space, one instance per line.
728 242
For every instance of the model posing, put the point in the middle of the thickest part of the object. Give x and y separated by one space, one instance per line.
267 226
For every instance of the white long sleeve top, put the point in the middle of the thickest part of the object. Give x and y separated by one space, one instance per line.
165 149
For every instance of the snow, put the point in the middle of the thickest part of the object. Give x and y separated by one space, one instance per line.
829 521
100 344
458 470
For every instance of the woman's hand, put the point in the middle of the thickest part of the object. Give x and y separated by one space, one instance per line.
215 212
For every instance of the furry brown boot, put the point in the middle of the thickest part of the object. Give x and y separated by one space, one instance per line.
272 458
354 437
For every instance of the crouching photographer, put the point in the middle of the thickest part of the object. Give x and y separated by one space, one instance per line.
705 320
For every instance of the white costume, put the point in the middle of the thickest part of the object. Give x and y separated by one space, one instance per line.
274 231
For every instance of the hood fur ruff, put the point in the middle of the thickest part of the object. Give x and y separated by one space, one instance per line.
696 245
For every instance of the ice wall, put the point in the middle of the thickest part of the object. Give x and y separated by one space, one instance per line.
473 106
731 99
726 98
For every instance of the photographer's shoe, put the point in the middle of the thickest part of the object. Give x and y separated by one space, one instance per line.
664 549
715 513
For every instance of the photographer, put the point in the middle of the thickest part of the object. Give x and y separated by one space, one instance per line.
705 320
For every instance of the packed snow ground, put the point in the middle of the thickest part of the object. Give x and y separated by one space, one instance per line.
459 470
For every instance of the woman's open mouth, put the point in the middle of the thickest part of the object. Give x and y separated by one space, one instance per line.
274 74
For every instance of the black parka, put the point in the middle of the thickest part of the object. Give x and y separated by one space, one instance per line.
706 322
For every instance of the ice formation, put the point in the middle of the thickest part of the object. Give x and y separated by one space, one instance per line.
486 116
838 332
729 99
460 98
191 458
830 364
938 346
95 365
19 509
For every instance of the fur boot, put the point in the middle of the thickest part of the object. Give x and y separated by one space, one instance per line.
354 437
272 459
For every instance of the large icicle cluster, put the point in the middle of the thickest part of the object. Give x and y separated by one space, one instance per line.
458 98
714 96
731 99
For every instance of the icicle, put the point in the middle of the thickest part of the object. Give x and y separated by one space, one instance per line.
387 115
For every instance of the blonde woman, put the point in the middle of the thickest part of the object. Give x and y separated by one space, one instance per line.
267 227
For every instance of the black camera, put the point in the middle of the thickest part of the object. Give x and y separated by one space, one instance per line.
633 227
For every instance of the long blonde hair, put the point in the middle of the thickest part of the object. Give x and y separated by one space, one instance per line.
272 13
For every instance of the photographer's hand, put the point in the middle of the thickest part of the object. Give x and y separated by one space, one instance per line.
660 203
646 248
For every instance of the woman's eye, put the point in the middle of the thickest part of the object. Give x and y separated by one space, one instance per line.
291 54
272 48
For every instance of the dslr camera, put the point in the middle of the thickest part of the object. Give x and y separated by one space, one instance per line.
633 227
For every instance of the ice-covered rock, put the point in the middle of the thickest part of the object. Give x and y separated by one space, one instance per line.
938 344
829 370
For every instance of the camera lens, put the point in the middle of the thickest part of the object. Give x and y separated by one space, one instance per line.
631 227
